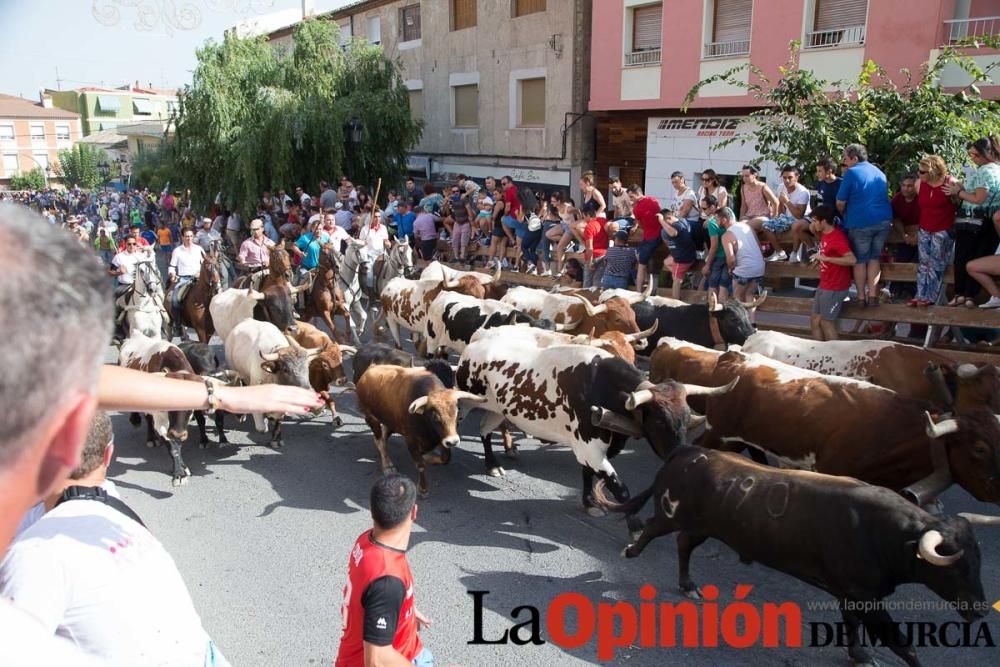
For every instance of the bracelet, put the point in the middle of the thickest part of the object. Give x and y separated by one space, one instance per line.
213 401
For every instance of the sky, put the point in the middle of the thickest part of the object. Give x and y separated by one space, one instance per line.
45 39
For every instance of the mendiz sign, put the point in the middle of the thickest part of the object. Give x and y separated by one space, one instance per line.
714 126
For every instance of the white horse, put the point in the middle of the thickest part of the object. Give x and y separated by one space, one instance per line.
352 265
397 261
143 308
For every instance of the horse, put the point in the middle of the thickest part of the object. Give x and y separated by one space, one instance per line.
353 266
194 307
396 262
278 270
143 307
325 298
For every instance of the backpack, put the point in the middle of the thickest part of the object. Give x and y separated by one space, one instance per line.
529 203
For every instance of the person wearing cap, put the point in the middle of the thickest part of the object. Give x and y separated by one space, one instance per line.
343 217
207 235
620 262
255 252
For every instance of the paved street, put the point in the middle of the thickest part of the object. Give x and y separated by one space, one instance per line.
262 538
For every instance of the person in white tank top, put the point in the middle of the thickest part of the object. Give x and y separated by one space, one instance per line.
743 255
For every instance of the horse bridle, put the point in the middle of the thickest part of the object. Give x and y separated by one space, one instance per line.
356 293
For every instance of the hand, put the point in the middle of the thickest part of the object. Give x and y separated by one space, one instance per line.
818 258
422 621
268 398
705 270
952 188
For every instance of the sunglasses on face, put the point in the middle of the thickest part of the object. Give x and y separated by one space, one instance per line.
922 172
129 245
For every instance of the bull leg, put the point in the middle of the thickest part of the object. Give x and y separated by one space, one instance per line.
879 624
686 544
394 331
276 440
334 417
199 417
152 438
509 448
859 654
381 434
328 321
220 429
439 457
489 423
181 471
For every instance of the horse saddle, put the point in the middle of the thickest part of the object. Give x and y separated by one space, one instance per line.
252 280
183 290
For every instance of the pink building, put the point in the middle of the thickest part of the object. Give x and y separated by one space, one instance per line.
647 54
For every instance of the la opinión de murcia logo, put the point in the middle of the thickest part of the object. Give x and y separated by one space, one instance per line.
572 621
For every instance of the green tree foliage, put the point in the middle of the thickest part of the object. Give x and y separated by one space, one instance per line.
29 180
78 166
802 121
256 118
153 168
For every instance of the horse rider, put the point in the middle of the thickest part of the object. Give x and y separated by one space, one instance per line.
255 253
207 235
185 266
124 266
376 238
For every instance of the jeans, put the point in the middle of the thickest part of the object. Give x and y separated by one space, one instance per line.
520 228
529 245
107 256
593 276
614 282
867 242
935 255
181 281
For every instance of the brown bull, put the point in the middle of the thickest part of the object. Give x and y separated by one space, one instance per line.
327 367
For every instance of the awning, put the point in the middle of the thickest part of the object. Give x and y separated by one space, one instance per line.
108 103
142 106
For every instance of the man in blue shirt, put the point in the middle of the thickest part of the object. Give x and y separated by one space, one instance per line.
404 220
827 187
308 247
863 202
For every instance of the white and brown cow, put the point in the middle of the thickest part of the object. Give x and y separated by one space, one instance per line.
406 303
554 393
615 314
493 287
414 403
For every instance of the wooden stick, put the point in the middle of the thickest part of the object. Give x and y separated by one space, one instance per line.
378 187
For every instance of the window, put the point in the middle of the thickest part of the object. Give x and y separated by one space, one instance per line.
467 105
42 159
62 131
6 133
344 33
416 104
532 97
730 28
646 28
10 163
409 23
838 22
463 14
524 7
108 104
37 132
142 106
374 30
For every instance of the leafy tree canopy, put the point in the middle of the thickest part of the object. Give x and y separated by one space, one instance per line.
29 180
257 118
802 120
78 166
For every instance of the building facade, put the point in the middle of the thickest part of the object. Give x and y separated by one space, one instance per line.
648 54
32 134
107 108
501 85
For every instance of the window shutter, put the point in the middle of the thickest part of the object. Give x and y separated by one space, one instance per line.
463 13
467 106
522 7
416 104
732 20
647 23
533 103
837 14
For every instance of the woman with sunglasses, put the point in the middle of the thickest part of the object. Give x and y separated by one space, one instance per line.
710 185
936 235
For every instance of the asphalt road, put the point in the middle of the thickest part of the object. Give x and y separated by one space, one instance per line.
262 539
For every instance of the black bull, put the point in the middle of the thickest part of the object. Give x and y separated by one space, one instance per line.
855 541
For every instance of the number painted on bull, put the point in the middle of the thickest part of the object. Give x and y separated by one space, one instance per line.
745 487
776 499
669 506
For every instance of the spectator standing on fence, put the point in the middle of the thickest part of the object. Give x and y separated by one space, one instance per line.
595 247
646 210
621 206
935 236
975 235
591 198
425 230
863 201
716 271
678 236
743 255
684 203
835 261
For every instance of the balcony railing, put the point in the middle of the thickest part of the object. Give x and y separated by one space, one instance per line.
640 58
727 49
959 29
838 37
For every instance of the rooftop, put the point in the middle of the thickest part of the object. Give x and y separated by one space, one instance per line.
339 13
12 106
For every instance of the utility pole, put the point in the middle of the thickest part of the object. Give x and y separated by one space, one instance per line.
58 80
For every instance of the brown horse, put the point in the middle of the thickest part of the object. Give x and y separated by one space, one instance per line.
278 270
194 308
326 299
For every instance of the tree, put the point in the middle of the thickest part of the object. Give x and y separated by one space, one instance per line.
254 118
153 168
801 121
78 166
29 180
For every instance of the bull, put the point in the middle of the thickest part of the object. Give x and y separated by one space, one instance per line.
492 286
707 324
414 403
327 367
855 541
615 314
204 362
275 305
407 302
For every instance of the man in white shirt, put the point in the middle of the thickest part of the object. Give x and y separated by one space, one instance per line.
123 265
185 265
793 205
207 235
376 238
338 235
91 572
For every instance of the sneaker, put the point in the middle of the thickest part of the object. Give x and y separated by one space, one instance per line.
795 257
530 268
546 273
779 256
505 264
994 302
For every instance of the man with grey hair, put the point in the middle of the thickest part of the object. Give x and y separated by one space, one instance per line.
863 202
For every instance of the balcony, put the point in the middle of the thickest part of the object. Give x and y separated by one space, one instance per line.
852 36
727 49
959 29
643 58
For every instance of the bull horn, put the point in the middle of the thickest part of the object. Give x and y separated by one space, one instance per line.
270 356
294 343
935 377
604 418
642 335
637 398
418 405
929 542
980 519
713 302
496 272
591 308
255 295
638 297
696 420
568 326
299 288
699 390
469 396
940 429
348 349
753 305
970 371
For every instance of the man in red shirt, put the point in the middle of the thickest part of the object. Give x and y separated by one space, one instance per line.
646 211
835 261
595 247
380 619
134 232
906 218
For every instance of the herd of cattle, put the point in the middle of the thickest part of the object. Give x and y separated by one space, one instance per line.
861 436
